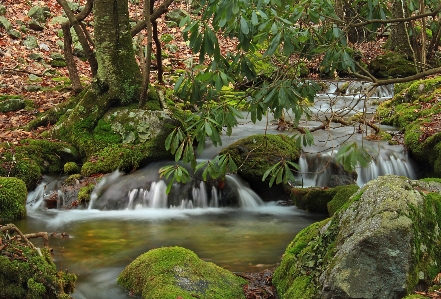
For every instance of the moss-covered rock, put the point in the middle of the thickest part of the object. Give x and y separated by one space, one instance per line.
256 154
84 194
13 195
26 272
175 272
12 104
71 168
386 237
31 158
392 64
322 200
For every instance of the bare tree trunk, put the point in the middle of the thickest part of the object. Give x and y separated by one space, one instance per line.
68 56
148 59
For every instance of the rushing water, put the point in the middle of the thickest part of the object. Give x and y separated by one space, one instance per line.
231 226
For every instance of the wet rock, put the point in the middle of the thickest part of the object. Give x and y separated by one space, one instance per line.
383 243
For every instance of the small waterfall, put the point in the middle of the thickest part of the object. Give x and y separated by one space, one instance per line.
322 170
247 197
102 186
157 196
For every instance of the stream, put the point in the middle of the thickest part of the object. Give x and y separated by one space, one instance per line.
130 214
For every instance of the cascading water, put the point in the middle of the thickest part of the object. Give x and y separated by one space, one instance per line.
152 195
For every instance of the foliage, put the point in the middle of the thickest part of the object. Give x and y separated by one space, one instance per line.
267 31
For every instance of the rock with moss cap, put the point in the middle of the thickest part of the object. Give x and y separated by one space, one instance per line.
176 272
382 243
256 154
13 195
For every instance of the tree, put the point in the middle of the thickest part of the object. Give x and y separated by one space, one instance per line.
285 32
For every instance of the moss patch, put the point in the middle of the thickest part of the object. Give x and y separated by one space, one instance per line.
322 200
175 272
31 275
13 195
31 158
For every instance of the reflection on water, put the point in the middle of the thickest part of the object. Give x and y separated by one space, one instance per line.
102 243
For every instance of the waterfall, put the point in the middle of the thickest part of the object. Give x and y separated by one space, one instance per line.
247 197
319 170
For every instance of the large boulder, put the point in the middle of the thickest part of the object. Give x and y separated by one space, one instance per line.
130 138
383 243
176 272
256 154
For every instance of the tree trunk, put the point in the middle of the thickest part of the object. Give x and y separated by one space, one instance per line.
118 79
118 73
399 38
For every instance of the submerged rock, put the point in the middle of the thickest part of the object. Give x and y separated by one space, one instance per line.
176 272
383 243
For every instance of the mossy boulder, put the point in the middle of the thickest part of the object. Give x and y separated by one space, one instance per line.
392 64
322 200
27 272
13 195
256 154
32 158
176 272
383 243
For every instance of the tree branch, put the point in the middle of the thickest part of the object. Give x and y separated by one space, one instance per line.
156 14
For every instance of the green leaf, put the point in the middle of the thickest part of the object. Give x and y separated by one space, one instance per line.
244 26
178 153
208 130
236 8
275 41
254 19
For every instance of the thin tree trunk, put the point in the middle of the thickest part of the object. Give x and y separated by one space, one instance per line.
81 36
70 63
148 59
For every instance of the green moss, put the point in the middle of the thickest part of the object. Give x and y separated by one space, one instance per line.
427 241
71 167
172 272
322 200
392 64
72 179
340 198
303 262
84 193
31 158
125 157
13 195
32 275
103 132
